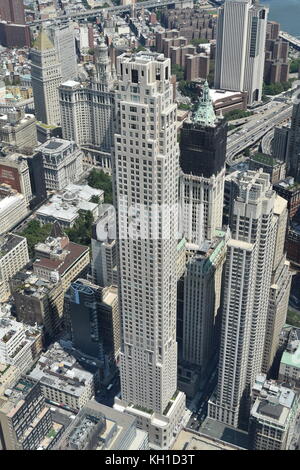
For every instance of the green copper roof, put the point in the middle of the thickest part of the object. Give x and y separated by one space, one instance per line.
42 42
205 113
290 359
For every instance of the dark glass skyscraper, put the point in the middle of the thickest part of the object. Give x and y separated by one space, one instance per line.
203 141
293 156
202 161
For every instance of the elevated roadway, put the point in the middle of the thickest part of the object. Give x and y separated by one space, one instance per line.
82 15
252 132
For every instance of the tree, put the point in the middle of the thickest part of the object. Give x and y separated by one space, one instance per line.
81 232
100 180
295 66
277 88
95 199
188 89
183 106
139 48
196 42
35 233
178 71
236 114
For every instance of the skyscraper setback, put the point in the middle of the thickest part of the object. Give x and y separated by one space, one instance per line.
145 172
247 282
240 53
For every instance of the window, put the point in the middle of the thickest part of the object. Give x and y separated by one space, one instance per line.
134 76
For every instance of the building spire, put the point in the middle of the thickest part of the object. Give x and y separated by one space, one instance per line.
205 113
43 42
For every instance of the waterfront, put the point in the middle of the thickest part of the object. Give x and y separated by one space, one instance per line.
287 13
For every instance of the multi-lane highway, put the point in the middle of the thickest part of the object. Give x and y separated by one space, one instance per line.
118 9
251 132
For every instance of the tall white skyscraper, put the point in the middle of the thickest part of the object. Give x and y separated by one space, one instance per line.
240 53
46 78
247 282
145 174
279 289
63 38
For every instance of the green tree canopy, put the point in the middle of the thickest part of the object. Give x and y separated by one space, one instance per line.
35 232
178 71
99 180
81 232
236 114
188 89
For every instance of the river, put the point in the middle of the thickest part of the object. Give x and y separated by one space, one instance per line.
287 13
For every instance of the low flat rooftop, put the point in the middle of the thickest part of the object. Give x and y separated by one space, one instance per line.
225 433
188 440
8 243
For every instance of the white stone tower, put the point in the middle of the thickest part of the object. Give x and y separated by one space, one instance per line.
145 174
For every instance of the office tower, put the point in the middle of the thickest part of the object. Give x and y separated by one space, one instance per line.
280 142
37 180
202 295
290 191
293 152
14 35
273 415
145 175
13 256
13 208
87 110
14 171
15 347
62 163
12 11
289 368
293 241
275 168
202 161
279 289
240 54
94 320
45 78
247 280
18 130
104 250
63 38
25 419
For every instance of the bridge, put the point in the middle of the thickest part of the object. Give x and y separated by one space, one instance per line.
82 15
295 42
